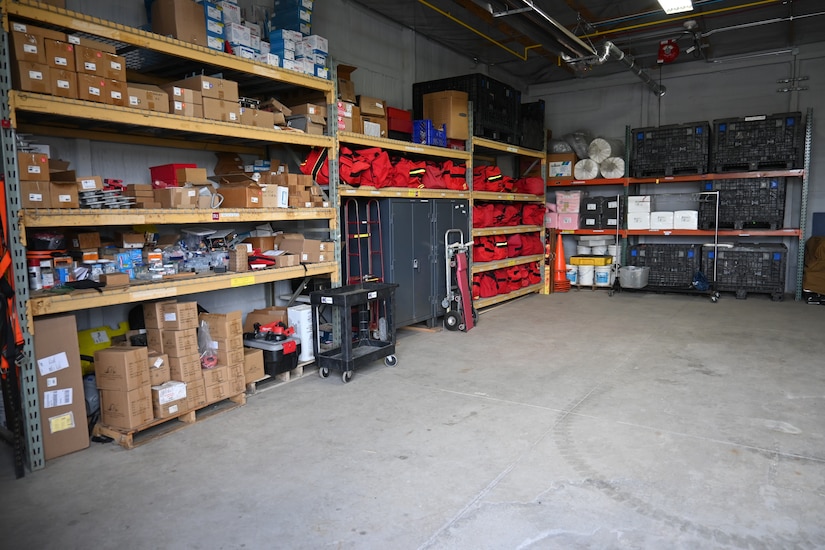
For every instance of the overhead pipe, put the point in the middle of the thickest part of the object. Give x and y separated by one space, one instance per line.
599 58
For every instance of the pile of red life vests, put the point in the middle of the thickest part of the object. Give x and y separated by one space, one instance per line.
500 247
497 214
505 280
375 167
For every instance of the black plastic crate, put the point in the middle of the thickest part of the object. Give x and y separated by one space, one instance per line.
671 265
671 150
757 268
757 203
758 142
532 125
496 106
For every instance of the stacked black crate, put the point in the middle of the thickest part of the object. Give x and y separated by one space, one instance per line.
671 265
671 150
758 142
744 268
532 125
496 106
757 203
591 213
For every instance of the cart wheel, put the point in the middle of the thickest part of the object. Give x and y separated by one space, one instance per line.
390 360
451 320
610 292
323 372
347 376
714 298
462 327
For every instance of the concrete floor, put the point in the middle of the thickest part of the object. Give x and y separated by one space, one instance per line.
574 420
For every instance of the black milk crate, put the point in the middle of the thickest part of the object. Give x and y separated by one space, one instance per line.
671 150
496 106
743 268
758 142
757 203
671 265
532 125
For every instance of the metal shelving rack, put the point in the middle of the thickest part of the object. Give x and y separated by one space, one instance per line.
48 115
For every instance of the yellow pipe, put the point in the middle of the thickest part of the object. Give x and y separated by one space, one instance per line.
679 18
454 19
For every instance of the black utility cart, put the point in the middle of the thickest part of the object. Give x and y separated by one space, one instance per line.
354 325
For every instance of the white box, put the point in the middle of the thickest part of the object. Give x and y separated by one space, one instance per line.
231 12
640 203
686 219
283 197
638 220
661 221
300 317
318 43
269 59
254 29
170 391
236 33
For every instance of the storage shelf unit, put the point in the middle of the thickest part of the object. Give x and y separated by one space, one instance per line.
483 146
157 58
797 233
350 138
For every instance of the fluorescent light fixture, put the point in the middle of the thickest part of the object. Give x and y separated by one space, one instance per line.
676 6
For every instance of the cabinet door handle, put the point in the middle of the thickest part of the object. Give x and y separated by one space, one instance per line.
415 263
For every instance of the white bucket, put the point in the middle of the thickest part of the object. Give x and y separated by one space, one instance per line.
586 275
613 250
572 273
599 250
583 250
602 275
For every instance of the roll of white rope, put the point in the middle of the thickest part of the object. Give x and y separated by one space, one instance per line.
612 167
602 148
586 169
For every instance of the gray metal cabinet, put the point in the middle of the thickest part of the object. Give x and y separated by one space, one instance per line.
413 240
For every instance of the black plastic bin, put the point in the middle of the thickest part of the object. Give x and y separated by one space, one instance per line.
363 320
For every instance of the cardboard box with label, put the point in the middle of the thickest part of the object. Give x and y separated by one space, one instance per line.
211 87
33 166
180 315
35 194
253 365
92 88
127 410
371 106
169 399
147 97
63 185
374 126
28 41
159 369
311 124
63 83
177 197
241 196
60 386
223 325
221 109
274 314
258 118
186 368
560 165
181 19
122 368
89 183
60 55
451 108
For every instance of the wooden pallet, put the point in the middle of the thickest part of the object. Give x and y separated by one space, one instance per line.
134 437
268 382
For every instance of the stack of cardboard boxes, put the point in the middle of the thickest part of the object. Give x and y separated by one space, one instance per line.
226 378
122 378
304 192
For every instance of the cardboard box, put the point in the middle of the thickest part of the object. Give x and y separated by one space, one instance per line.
32 166
309 109
660 221
177 197
229 351
180 343
560 165
122 368
253 365
209 86
346 88
638 203
171 409
195 393
261 243
216 375
686 219
153 313
29 76
89 183
181 19
258 118
159 369
60 55
374 126
91 61
147 97
224 325
180 315
287 260
195 176
114 280
265 316
154 340
84 240
28 41
181 94
638 220
311 124
131 240
168 392
221 109
114 67
64 194
63 83
241 196
118 93
451 108
127 410
371 106
186 368
92 88
60 386
35 194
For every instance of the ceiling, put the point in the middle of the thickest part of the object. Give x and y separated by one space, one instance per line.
528 39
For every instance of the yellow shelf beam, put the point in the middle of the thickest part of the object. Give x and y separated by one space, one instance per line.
350 138
487 302
506 230
49 105
488 144
405 193
480 267
509 197
145 216
142 291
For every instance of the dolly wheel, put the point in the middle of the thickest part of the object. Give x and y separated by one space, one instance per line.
475 316
390 360
451 321
347 376
323 372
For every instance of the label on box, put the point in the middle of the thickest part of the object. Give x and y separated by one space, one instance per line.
61 422
60 61
53 363
57 398
116 95
51 382
133 100
170 317
233 116
33 169
212 12
253 200
64 198
35 75
90 66
94 91
30 48
179 105
88 184
18 27
63 84
100 337
115 65
73 39
35 197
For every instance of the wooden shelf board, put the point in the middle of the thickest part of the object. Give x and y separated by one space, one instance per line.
401 192
489 144
509 197
487 302
480 267
401 146
507 230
